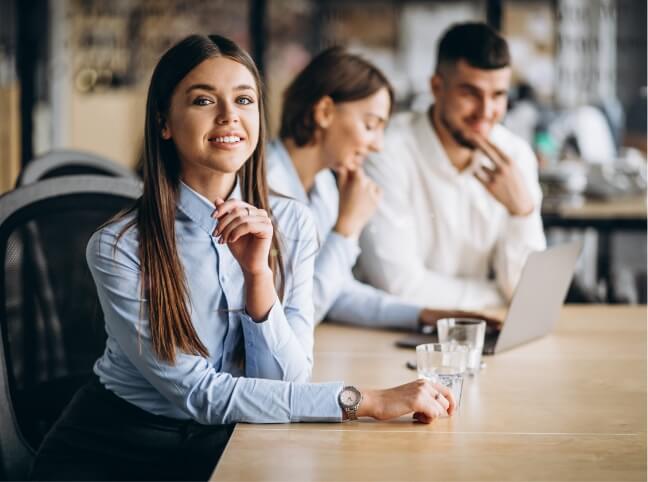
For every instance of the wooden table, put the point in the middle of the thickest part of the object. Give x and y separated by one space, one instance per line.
606 217
620 213
571 406
618 210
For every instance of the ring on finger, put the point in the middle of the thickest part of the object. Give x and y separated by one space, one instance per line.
437 395
248 211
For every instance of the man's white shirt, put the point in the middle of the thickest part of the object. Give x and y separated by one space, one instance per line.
438 234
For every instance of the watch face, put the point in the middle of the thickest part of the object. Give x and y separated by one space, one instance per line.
349 397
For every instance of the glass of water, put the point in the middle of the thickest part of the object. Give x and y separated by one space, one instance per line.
443 363
464 331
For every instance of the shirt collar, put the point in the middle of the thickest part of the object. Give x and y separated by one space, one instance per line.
431 145
200 209
429 139
282 175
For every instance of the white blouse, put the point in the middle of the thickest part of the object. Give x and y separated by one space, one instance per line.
438 237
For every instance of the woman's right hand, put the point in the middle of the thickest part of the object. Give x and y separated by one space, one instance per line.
427 400
359 198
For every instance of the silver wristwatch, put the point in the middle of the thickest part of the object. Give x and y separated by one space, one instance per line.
349 399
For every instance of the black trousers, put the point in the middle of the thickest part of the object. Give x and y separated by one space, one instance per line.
100 436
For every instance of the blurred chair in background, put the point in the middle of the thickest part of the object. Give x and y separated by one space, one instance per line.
66 162
614 114
593 135
51 323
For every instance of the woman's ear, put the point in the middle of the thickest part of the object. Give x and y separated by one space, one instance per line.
324 112
165 132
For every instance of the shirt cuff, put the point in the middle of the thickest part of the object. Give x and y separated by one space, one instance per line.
520 226
348 246
316 402
402 315
272 332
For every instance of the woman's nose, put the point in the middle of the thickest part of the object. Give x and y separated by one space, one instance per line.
226 113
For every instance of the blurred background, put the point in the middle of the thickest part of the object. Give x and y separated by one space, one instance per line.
74 73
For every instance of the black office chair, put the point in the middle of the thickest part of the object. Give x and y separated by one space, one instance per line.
51 324
68 162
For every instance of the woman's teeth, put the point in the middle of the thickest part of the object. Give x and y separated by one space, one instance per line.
226 139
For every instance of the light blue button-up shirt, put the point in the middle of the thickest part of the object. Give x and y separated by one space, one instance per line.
337 294
214 390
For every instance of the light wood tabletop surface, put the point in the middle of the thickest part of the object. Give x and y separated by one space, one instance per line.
570 406
628 207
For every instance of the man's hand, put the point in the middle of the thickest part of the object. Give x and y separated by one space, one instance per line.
503 180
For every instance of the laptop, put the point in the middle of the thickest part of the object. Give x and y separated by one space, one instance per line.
536 302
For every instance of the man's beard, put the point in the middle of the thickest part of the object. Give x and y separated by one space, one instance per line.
455 132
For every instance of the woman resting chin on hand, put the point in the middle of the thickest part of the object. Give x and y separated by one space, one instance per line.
193 282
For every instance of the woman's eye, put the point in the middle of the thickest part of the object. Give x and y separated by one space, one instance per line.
202 101
244 100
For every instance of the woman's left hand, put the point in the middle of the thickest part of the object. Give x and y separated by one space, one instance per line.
247 232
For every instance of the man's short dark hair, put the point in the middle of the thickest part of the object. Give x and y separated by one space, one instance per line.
476 43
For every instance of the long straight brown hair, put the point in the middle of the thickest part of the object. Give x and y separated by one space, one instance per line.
163 279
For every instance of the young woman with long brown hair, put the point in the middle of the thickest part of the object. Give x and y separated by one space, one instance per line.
206 289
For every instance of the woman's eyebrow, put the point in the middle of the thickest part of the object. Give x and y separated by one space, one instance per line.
211 88
377 116
201 87
244 87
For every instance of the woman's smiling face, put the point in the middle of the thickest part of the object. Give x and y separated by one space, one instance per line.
213 117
